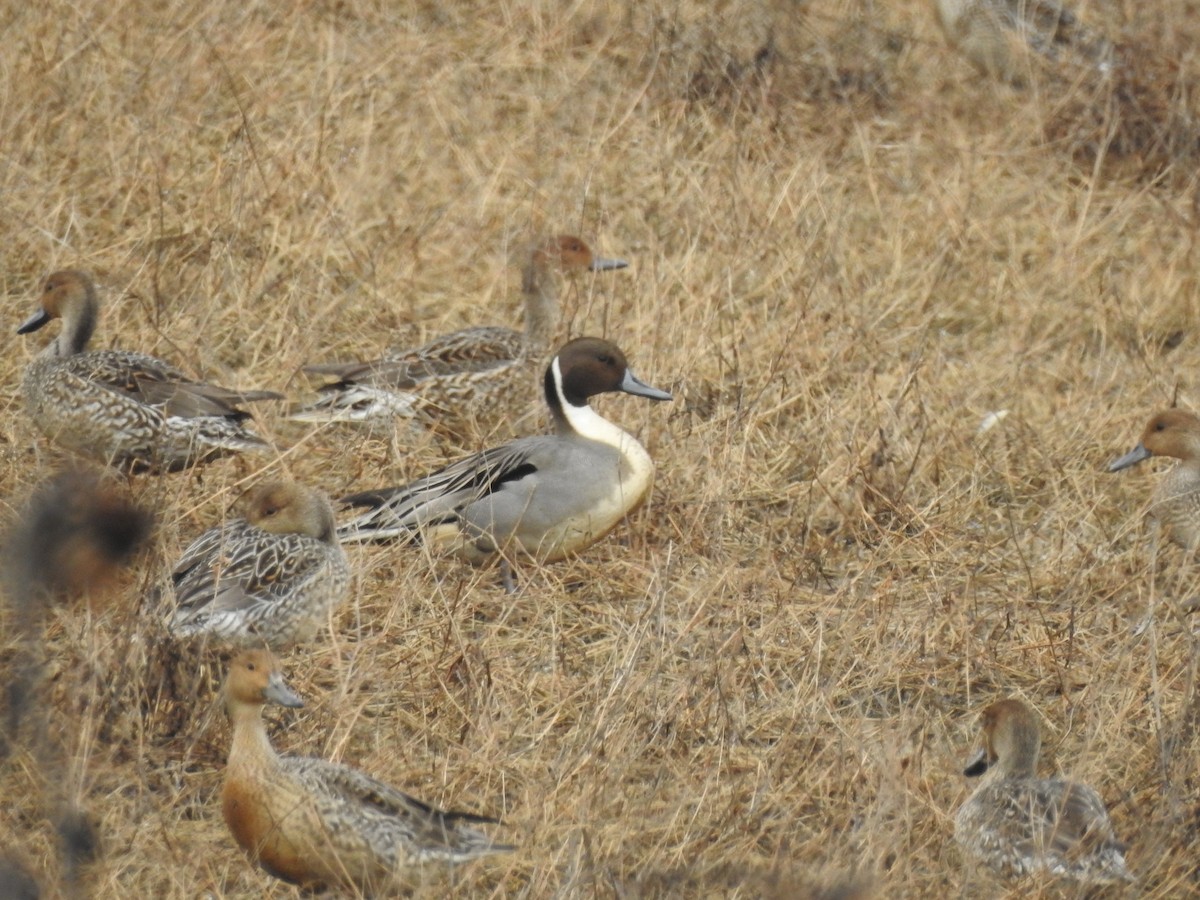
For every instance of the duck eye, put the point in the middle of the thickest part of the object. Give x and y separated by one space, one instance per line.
606 359
250 666
1160 426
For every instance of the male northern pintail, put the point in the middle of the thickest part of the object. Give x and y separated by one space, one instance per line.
1175 503
271 577
1018 824
1006 39
464 376
317 823
547 496
123 408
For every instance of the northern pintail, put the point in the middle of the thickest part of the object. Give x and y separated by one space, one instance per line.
466 375
123 408
272 576
547 496
1018 824
1175 503
313 822
1004 39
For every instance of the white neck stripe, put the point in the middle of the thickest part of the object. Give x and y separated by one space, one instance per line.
585 421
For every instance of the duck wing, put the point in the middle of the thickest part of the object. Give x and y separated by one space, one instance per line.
438 498
349 800
192 400
1057 825
240 566
469 351
1079 829
471 346
152 381
122 370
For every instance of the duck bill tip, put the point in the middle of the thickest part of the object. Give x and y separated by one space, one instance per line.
279 693
34 322
602 264
631 384
1133 457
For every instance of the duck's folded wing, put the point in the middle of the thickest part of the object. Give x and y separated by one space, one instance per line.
348 795
201 551
476 476
438 498
222 597
460 349
380 373
352 785
191 399
467 352
122 370
239 570
154 382
1078 822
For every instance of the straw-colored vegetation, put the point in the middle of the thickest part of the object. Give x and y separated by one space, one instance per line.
848 251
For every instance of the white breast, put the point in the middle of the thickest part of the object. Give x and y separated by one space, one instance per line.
629 485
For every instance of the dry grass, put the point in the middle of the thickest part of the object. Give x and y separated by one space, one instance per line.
848 249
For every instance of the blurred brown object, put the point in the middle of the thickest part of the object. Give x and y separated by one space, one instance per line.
76 531
1007 39
73 535
15 881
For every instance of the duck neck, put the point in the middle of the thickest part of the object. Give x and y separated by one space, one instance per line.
1190 455
250 746
78 328
540 288
1179 480
326 530
574 417
1019 759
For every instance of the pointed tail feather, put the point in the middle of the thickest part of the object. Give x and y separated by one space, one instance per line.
253 396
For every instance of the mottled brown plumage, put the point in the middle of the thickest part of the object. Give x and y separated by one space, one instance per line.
1004 39
122 408
313 822
1017 824
271 577
470 375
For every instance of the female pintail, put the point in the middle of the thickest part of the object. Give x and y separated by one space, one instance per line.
1175 502
1017 824
470 375
1007 39
317 823
125 409
271 577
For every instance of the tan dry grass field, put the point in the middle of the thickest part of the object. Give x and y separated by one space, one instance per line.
847 250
